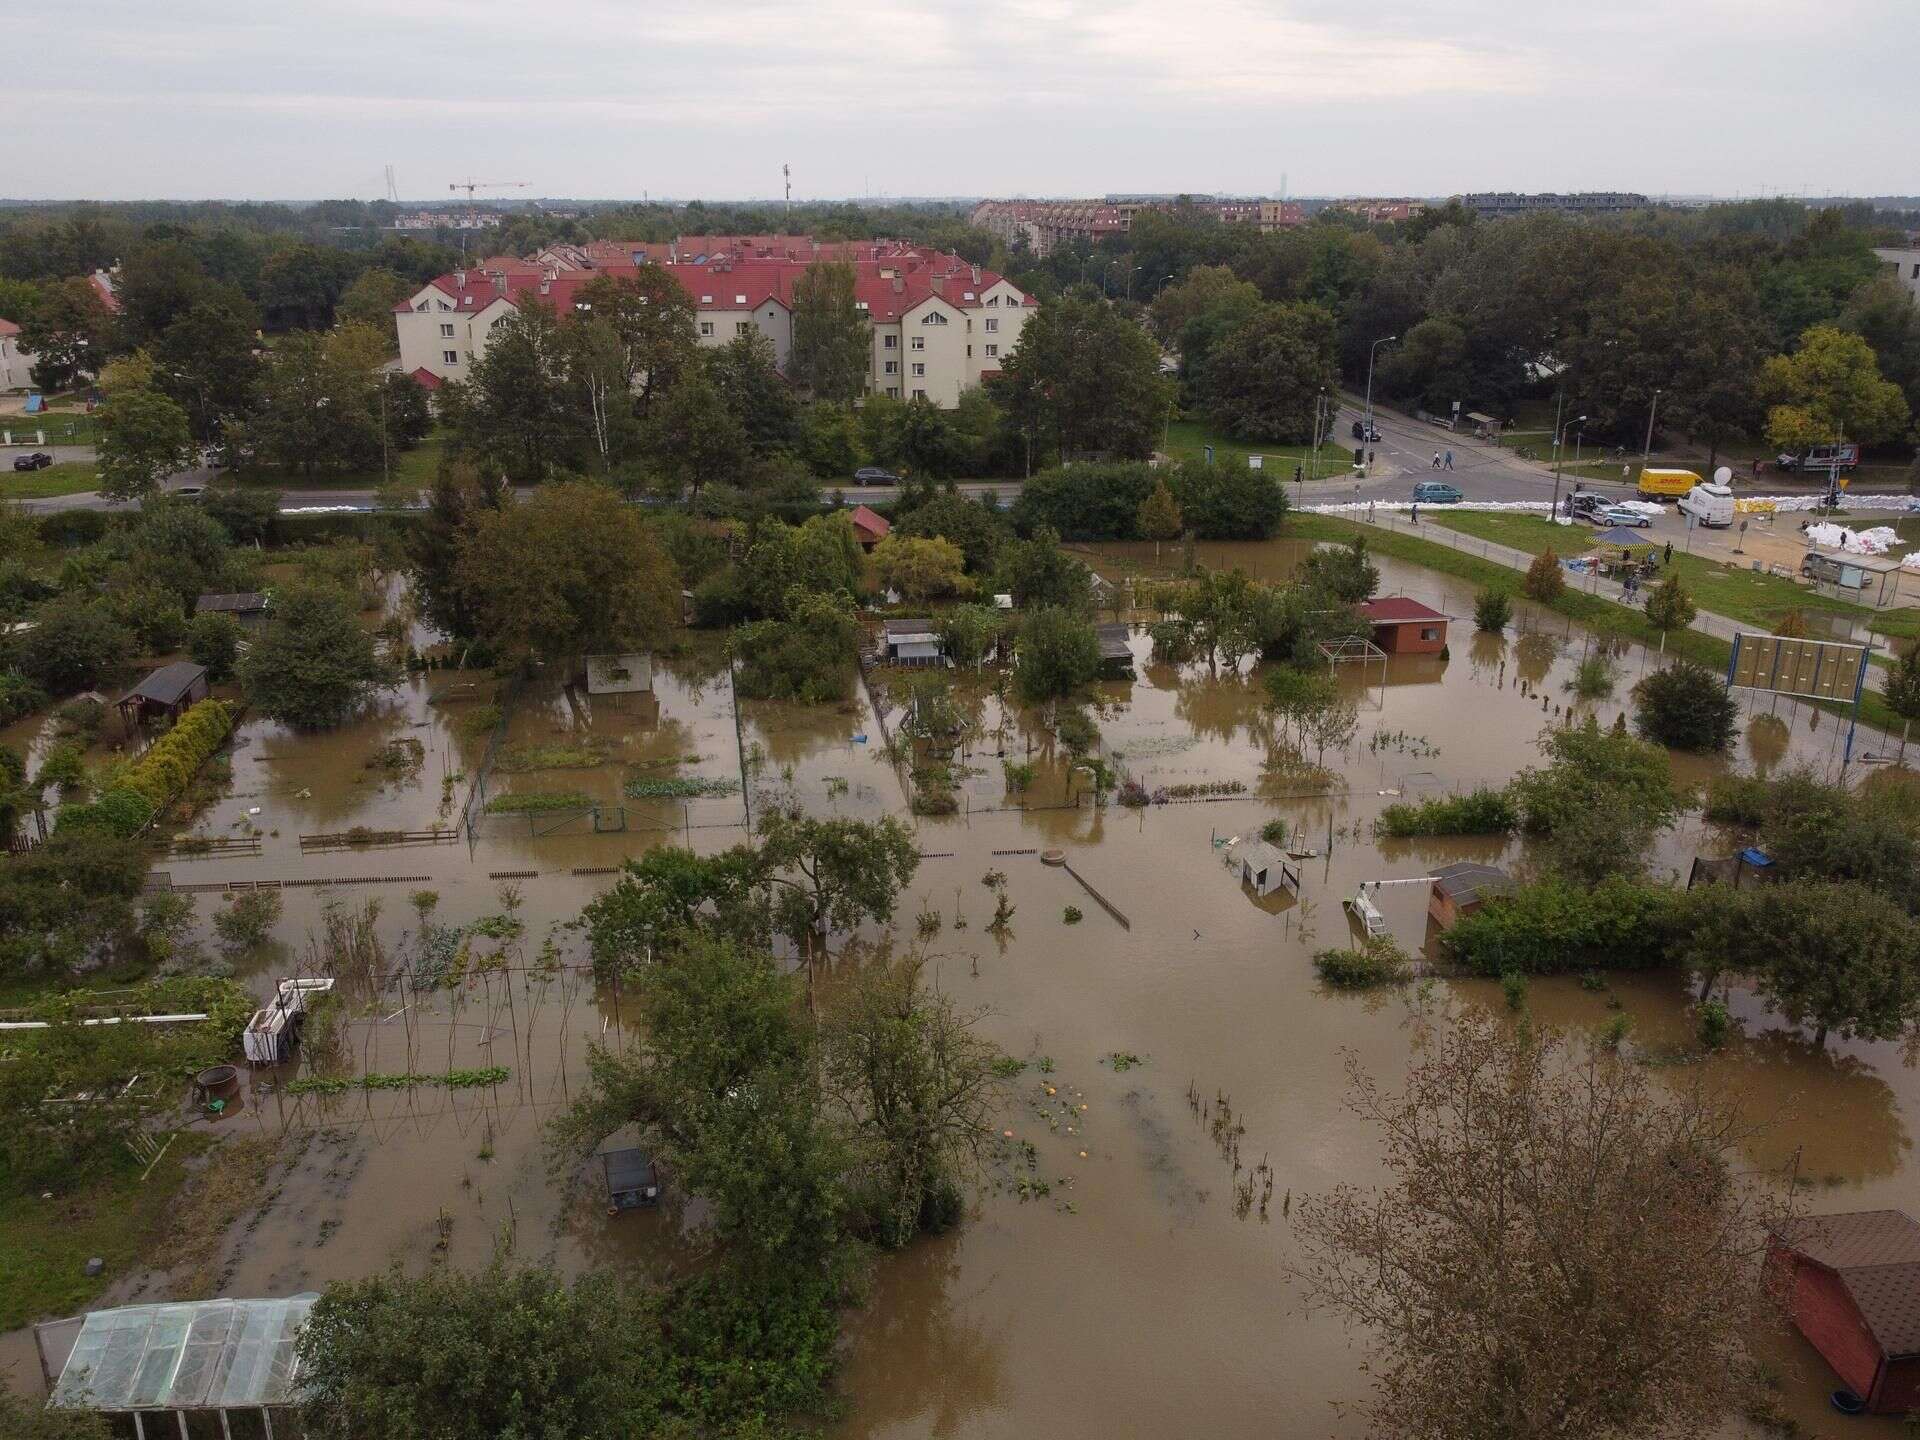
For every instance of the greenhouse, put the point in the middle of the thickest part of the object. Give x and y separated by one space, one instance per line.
205 1370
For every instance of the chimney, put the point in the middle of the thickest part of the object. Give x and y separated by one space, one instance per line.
500 285
899 285
459 279
976 277
939 284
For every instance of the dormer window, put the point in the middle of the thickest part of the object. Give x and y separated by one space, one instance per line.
739 299
933 317
706 299
966 295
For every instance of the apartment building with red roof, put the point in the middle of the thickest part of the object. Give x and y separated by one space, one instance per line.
938 322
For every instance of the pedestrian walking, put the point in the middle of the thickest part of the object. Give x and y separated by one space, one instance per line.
1436 459
1667 559
1416 512
1369 512
1449 464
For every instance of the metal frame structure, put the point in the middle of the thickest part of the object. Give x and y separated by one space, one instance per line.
1778 665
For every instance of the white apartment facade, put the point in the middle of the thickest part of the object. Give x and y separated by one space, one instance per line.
16 365
1905 266
938 325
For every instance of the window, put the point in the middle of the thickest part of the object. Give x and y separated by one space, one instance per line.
919 394
742 327
993 323
1916 272
445 306
1429 633
706 299
969 352
739 299
919 342
859 304
933 317
919 369
1013 302
893 392
446 332
892 367
993 300
992 351
890 342
706 327
451 357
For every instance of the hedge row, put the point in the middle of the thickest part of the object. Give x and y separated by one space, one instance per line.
1478 812
159 775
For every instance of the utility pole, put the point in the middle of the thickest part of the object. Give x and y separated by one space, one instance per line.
1646 451
1371 351
1319 403
1559 445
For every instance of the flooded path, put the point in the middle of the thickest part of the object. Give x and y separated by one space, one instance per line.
1122 1277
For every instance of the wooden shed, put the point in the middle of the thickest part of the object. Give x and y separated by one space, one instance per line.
869 526
1462 888
245 606
166 693
1853 1288
1116 651
1403 626
912 641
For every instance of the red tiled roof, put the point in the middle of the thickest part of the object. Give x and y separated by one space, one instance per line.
103 287
1398 610
870 521
7 327
425 379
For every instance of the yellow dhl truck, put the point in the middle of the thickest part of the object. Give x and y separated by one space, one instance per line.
1666 484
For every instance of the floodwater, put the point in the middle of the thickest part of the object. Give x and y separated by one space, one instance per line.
1136 1287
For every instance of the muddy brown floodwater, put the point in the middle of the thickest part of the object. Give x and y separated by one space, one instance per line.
1118 1276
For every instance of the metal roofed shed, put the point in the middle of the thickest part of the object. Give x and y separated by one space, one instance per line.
1461 888
620 674
168 691
1267 870
1855 1295
243 605
231 1361
633 1180
911 640
1116 649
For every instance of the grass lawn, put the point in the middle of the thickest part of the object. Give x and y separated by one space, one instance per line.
62 427
416 467
1188 439
69 477
1760 600
116 1216
1598 614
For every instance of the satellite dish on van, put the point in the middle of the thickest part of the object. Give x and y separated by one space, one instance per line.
1723 476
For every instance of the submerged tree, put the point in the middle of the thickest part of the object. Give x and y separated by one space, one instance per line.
834 874
1540 1189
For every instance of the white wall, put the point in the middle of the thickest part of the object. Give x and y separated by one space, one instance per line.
16 365
1905 265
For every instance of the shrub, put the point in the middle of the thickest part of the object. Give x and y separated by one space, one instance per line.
1513 989
18 696
1593 678
63 766
81 717
1556 926
144 787
1018 774
1059 652
1492 609
1737 799
247 924
1378 960
1685 706
1071 915
1479 812
214 641
1545 581
1714 1024
1669 606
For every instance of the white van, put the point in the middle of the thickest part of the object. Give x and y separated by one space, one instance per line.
1709 504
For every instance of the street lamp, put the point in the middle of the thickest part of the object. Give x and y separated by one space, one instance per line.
1559 442
1371 350
1646 451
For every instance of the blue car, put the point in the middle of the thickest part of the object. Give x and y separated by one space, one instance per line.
1436 492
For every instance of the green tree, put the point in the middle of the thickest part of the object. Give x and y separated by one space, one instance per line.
1058 653
974 525
1685 706
834 874
919 569
300 285
1669 606
915 437
370 299
1344 572
832 343
320 406
1544 582
755 392
312 665
69 333
917 1090
205 363
1037 572
1159 517
1263 378
1902 688
695 438
1492 609
1828 390
830 442
653 315
1838 957
1085 380
969 632
670 890
571 571
520 409
805 654
1585 760
214 641
144 437
75 644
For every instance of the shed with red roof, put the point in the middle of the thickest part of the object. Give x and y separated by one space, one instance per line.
1403 626
870 525
1853 1289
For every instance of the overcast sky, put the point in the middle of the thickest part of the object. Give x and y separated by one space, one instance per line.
124 99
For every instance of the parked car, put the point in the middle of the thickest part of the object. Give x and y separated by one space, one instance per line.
1620 515
187 492
39 460
1364 431
874 475
1821 457
1585 504
1436 492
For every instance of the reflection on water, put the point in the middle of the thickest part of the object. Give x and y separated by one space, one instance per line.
1130 1300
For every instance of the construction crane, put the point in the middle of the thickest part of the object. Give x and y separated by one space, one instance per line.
473 216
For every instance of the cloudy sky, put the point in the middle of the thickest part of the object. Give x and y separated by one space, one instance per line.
615 98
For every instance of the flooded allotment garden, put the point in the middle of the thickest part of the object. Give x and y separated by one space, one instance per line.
1125 1270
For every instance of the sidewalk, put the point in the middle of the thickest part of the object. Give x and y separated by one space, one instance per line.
1707 623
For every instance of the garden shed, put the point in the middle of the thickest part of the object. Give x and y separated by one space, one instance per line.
620 674
245 606
1853 1289
1462 888
165 694
870 527
1268 871
1116 651
1403 626
222 1368
912 641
